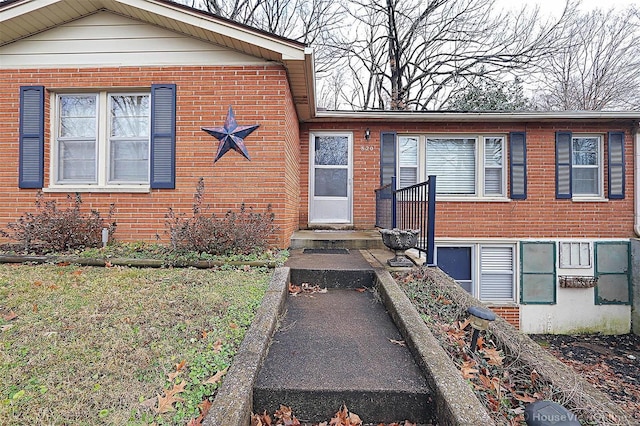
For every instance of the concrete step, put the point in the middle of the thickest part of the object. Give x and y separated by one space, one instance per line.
331 269
341 347
328 239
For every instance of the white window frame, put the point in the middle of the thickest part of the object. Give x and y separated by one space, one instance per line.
600 166
477 270
480 164
103 141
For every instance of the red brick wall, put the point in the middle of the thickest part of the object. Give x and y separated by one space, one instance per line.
258 94
540 215
511 314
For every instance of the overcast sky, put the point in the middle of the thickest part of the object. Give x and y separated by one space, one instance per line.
556 6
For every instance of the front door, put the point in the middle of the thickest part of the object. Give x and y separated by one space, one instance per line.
330 175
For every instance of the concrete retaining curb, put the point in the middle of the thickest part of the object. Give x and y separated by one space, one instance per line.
455 401
233 403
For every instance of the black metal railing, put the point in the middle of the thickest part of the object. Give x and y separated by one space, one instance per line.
413 207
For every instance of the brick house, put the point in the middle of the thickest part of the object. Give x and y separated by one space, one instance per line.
108 98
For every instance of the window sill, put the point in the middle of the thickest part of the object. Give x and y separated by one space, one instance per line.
446 198
502 304
589 200
98 189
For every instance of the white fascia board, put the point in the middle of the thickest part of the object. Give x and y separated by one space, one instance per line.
477 116
22 8
288 51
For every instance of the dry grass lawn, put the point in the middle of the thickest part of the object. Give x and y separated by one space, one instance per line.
96 346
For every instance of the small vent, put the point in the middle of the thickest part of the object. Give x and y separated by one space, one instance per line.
325 251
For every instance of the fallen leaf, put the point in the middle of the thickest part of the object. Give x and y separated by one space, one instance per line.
398 342
524 398
35 307
181 365
216 378
165 403
9 316
465 324
256 420
108 264
493 356
204 334
233 325
217 346
345 418
294 290
63 264
77 272
37 283
468 370
361 289
534 377
204 408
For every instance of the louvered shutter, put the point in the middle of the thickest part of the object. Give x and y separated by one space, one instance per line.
163 136
496 273
518 165
387 157
616 177
563 164
31 157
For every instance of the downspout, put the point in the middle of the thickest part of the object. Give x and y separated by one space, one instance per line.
635 133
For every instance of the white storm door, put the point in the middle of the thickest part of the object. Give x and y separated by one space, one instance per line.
330 177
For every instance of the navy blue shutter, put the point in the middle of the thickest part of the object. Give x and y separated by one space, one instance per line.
563 164
31 162
518 165
387 157
615 154
163 136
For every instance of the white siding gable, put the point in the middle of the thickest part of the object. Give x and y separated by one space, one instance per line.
106 39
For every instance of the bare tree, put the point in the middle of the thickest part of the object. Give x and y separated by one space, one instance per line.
416 54
599 68
312 22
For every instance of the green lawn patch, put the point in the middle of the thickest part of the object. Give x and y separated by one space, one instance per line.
96 346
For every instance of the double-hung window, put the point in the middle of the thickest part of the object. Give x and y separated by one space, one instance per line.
464 166
102 139
586 165
408 164
467 166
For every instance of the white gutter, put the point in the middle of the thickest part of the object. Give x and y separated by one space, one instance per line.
635 133
440 116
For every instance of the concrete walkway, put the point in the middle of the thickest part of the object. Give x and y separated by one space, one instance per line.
340 347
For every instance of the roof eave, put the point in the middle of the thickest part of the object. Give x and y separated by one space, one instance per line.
433 116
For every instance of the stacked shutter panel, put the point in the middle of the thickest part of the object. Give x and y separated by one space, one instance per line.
31 170
518 165
616 172
563 164
163 135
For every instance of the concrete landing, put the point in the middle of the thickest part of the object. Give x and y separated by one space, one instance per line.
340 347
331 238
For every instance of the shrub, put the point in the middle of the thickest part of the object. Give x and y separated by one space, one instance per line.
53 229
241 232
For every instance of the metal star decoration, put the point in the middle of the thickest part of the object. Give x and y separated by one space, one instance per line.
231 136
